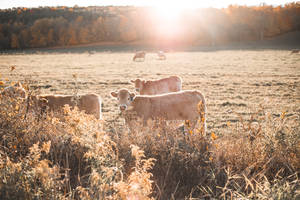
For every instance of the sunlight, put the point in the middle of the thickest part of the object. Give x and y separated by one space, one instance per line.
168 14
169 11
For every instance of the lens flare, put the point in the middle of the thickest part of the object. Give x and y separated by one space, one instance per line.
168 15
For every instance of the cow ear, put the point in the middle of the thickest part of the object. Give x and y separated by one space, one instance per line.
132 95
18 84
132 81
114 94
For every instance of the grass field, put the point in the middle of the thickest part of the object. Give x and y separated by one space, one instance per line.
251 151
232 81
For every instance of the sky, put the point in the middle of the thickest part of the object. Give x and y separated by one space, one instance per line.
178 3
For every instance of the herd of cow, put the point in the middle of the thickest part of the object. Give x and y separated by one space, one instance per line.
158 99
140 56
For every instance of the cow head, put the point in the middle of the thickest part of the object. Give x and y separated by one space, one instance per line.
124 98
138 84
17 91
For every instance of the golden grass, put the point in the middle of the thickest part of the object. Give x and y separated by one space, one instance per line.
44 157
249 152
70 157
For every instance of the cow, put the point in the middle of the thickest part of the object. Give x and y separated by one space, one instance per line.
90 103
91 52
161 55
139 55
295 51
188 105
161 86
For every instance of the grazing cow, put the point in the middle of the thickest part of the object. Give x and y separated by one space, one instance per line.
295 51
90 103
91 52
161 55
139 55
161 86
183 105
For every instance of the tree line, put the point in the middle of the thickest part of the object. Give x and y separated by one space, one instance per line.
22 28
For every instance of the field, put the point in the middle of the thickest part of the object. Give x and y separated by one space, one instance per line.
251 149
232 81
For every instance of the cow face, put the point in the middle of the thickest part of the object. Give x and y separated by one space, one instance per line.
138 84
124 98
16 91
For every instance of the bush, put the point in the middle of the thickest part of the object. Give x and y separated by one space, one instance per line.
57 157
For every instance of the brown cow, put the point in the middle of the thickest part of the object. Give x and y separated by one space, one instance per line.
161 86
183 105
139 55
90 103
295 51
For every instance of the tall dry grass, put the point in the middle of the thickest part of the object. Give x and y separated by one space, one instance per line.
259 160
75 156
45 156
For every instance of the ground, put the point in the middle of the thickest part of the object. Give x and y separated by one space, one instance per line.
234 82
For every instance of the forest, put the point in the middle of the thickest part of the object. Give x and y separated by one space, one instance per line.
44 27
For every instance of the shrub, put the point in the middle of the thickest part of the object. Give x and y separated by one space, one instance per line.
45 156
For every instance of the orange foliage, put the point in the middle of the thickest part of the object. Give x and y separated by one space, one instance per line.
129 24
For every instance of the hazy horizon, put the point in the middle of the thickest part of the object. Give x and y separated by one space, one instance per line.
4 4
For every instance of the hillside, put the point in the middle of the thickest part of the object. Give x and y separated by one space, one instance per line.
44 27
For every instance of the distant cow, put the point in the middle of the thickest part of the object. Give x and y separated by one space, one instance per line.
295 51
90 103
184 105
91 52
161 55
161 86
139 55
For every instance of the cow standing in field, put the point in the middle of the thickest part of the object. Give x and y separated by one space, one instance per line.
140 55
161 86
183 105
161 55
90 103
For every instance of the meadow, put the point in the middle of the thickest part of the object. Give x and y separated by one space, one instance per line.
253 117
232 81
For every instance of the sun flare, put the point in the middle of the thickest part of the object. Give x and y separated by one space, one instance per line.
170 10
168 15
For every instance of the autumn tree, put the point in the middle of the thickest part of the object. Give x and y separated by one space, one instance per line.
14 42
62 26
24 37
4 40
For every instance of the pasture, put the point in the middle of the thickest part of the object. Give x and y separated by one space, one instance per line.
235 83
251 150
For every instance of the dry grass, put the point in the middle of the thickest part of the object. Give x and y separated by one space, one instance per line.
69 157
230 80
251 151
